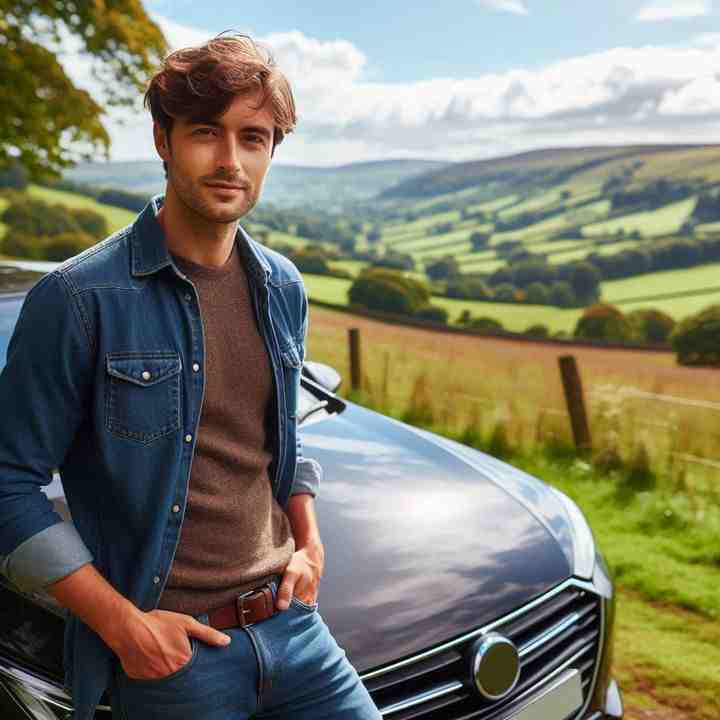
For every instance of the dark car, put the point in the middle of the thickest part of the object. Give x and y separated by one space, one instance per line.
459 586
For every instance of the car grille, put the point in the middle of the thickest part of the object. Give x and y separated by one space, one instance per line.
560 630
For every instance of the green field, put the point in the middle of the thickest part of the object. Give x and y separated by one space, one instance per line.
669 281
663 221
493 205
116 217
513 317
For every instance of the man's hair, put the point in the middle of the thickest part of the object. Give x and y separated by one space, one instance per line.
203 81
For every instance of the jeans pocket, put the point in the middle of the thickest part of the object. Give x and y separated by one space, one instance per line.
142 394
300 605
194 644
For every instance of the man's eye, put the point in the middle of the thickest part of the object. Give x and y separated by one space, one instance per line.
203 131
259 139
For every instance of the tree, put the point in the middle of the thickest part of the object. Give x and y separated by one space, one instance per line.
434 313
479 240
486 324
585 282
45 118
388 290
537 293
91 222
696 339
650 325
443 268
374 235
604 322
561 294
537 331
505 292
14 175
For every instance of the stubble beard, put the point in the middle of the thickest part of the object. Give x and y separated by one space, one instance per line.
193 196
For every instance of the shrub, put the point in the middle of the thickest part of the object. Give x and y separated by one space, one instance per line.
537 293
310 262
123 199
35 217
462 287
585 279
388 290
442 268
480 240
561 294
505 292
433 313
61 247
537 331
488 324
651 325
603 322
91 222
696 339
21 245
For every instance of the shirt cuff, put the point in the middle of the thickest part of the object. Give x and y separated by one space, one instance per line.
308 475
46 557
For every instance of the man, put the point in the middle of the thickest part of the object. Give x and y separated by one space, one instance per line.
159 371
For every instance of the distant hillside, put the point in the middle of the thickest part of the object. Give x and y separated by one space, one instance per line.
530 170
286 186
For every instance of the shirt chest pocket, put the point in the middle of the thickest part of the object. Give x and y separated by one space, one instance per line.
142 394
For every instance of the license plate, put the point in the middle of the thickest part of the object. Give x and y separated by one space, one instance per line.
558 701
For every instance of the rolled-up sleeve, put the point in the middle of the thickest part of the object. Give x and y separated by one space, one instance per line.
44 391
308 471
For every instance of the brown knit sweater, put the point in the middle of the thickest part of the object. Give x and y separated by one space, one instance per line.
234 533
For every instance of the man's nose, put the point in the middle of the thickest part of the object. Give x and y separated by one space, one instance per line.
229 157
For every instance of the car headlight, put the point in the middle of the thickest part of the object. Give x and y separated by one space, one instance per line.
583 540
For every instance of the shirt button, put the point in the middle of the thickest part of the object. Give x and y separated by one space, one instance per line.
188 438
188 297
146 375
176 508
156 579
196 367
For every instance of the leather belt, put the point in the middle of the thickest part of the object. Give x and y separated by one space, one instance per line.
246 609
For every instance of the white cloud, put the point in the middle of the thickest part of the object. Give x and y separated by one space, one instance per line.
517 7
622 95
673 10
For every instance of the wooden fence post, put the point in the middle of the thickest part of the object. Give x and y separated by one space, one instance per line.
355 374
575 402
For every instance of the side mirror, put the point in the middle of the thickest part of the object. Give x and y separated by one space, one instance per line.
322 374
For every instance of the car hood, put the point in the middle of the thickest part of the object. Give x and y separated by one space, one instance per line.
424 538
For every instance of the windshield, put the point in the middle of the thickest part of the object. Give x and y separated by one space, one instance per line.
9 310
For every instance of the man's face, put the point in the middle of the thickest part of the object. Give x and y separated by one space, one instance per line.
232 150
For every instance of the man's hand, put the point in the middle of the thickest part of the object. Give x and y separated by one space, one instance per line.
149 644
155 644
302 576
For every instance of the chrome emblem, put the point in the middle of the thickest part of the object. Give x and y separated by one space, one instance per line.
494 666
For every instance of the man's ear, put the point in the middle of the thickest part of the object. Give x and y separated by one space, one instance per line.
162 143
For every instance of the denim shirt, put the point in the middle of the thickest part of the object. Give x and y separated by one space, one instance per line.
104 381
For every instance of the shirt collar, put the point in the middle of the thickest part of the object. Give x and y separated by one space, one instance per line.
150 252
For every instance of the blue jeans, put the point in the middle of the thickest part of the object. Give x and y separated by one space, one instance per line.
288 667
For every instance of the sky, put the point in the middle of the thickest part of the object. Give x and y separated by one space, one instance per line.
462 79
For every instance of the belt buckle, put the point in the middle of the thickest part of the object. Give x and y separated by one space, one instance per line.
240 610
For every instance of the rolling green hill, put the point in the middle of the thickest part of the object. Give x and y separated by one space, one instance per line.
325 188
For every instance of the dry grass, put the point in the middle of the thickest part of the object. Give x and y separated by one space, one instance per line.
455 383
